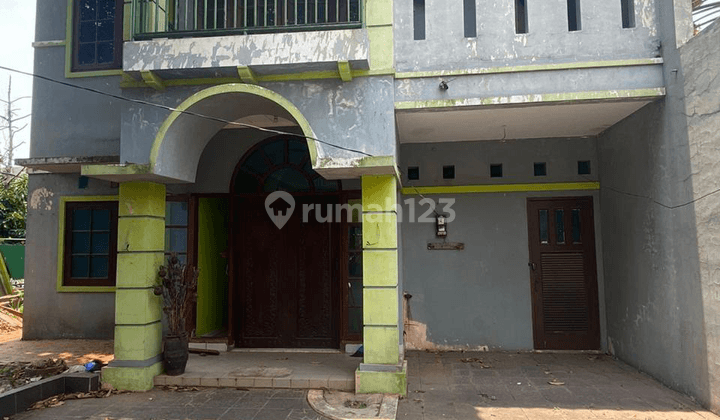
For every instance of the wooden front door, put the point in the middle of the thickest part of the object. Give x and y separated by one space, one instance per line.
286 280
563 273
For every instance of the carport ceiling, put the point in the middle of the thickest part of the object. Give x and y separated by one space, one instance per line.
521 122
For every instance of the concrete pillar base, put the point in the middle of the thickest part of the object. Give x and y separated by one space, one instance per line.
131 378
381 379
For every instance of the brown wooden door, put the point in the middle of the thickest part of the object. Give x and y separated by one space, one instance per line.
563 273
286 279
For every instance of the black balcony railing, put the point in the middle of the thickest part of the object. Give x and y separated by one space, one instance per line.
178 18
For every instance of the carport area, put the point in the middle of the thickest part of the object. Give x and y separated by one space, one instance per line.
507 385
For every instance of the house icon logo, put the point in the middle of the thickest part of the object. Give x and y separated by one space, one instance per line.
280 206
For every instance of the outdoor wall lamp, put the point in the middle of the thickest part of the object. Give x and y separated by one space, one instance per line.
441 226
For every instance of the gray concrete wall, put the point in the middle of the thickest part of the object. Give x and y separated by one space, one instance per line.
659 259
68 121
701 68
356 115
48 313
481 296
445 47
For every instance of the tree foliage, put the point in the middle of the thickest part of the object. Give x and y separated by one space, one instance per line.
13 206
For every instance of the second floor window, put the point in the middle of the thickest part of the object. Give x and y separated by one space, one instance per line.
97 35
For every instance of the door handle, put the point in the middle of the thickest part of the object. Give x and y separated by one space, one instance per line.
532 266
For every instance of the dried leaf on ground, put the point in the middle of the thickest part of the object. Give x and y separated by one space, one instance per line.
475 360
16 374
60 399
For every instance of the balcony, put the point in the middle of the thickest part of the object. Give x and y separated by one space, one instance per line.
193 18
250 39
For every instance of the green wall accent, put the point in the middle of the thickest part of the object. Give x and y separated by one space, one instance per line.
138 330
212 228
139 269
381 319
141 199
15 259
367 382
382 306
139 233
533 67
380 268
137 306
379 193
131 379
379 230
138 342
5 277
381 344
379 21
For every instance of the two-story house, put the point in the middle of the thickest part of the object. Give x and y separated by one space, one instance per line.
464 174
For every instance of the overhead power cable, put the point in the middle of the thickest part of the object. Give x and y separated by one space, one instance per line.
172 109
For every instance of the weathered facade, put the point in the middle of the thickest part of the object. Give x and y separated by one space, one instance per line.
563 142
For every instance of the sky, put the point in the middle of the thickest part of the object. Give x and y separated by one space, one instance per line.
17 31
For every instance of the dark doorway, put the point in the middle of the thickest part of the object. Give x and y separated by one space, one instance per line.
563 274
286 280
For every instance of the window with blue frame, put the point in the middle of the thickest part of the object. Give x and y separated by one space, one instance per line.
90 254
97 35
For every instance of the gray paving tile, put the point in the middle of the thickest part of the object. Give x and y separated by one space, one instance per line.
286 403
272 414
239 414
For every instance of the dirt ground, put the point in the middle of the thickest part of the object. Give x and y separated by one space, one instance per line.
74 352
10 327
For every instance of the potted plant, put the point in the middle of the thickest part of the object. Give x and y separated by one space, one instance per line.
179 291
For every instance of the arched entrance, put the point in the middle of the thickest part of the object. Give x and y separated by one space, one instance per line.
286 280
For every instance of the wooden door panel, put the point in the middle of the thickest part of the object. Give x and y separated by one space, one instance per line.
285 278
260 252
563 273
316 282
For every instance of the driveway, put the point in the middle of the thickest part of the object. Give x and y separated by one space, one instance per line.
536 386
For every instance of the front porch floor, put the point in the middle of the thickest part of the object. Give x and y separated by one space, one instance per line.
267 370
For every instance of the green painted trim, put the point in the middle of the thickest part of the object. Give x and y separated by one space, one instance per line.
153 80
128 19
61 245
373 161
235 88
601 95
532 68
115 169
130 83
502 188
345 71
69 74
247 75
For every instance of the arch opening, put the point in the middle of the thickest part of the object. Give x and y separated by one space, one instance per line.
181 139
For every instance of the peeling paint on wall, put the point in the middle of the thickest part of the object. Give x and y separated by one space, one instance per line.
647 16
41 199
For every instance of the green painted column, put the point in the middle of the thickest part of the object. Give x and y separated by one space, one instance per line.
138 327
383 369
